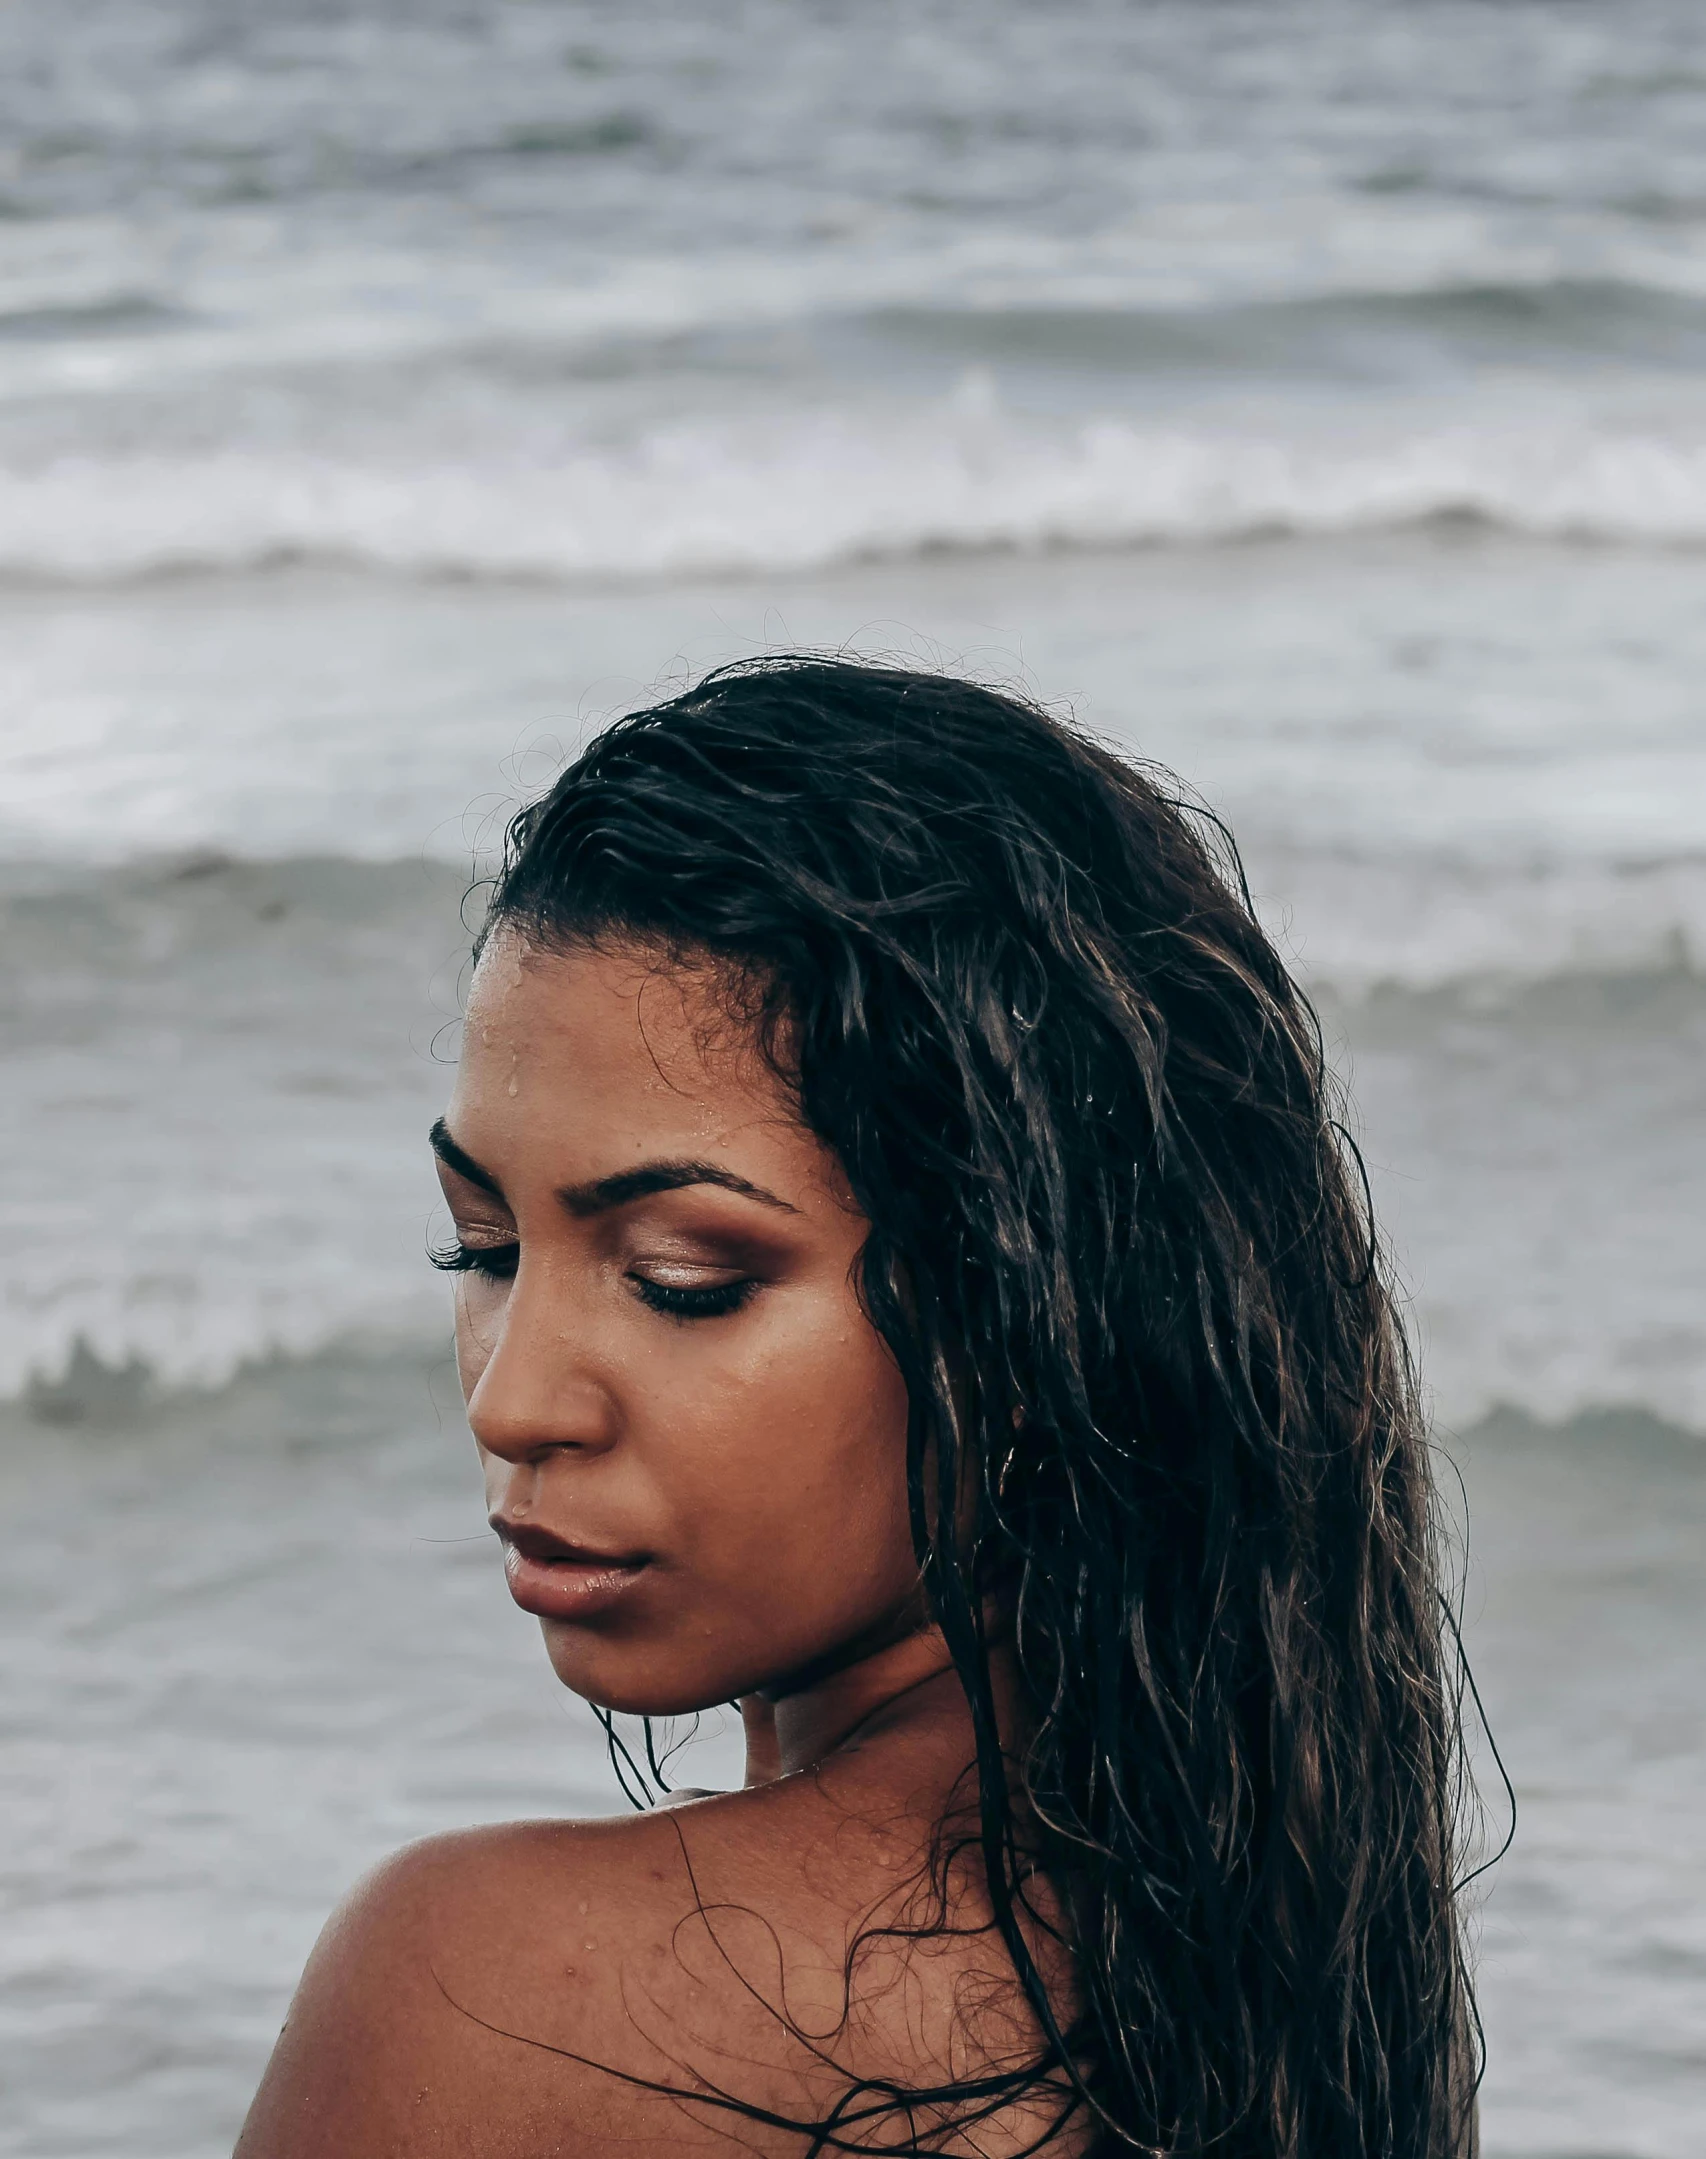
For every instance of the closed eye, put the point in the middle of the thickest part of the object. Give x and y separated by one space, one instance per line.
496 1261
676 1302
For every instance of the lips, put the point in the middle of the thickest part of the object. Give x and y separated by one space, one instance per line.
554 1579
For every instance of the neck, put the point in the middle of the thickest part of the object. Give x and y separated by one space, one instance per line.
794 1727
895 1687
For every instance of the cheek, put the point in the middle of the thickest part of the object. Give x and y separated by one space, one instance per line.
792 1481
479 1315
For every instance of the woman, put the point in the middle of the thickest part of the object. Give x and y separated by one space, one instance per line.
911 1283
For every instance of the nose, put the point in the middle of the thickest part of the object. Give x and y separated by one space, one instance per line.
541 1389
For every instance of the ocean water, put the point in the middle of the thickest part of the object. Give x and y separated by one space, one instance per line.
1307 396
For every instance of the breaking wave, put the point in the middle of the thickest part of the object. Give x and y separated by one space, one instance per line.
88 1393
259 1036
1487 932
811 490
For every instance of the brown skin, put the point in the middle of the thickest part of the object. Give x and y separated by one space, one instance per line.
739 1477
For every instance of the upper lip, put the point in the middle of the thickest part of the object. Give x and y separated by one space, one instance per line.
532 1542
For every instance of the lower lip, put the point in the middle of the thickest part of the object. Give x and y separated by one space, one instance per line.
568 1588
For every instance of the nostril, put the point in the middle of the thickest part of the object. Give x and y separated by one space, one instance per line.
579 1420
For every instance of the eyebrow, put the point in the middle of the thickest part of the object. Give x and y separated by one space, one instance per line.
620 1190
447 1151
650 1177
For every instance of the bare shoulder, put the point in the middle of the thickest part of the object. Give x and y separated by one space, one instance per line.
564 1987
468 1997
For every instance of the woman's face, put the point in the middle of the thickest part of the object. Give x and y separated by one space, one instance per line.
694 1441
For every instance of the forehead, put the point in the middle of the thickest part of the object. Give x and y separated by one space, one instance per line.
619 1036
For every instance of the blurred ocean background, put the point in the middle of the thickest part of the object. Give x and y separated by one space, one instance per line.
1311 396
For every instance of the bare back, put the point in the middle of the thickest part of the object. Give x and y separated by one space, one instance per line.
599 1987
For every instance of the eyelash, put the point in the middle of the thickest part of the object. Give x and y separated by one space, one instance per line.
675 1303
497 1262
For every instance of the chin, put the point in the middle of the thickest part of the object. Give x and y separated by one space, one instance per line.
637 1682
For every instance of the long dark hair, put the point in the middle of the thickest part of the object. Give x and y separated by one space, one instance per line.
1122 1250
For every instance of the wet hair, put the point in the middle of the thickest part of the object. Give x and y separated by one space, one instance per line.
1122 1251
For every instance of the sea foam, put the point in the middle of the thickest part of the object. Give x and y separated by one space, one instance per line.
814 489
